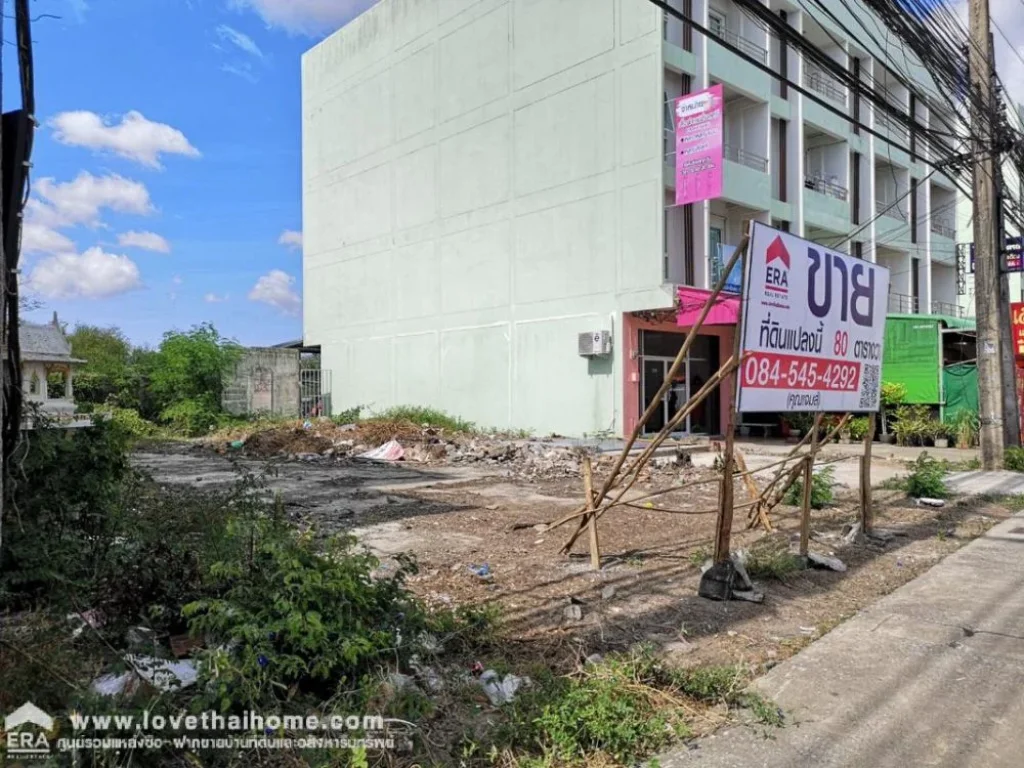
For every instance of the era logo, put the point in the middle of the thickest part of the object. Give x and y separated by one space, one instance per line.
776 276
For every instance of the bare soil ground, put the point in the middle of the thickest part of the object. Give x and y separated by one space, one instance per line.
457 518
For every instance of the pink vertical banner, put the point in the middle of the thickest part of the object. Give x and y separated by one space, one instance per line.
699 125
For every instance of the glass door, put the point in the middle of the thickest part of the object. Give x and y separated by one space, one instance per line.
655 371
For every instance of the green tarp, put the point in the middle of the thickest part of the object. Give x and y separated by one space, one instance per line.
960 384
911 356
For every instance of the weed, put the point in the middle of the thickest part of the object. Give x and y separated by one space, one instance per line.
699 556
1014 459
766 712
351 415
423 416
710 684
766 564
898 483
926 478
821 489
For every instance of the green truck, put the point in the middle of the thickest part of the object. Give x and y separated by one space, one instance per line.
935 357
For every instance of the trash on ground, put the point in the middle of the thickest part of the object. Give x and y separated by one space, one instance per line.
500 691
931 502
160 673
483 571
824 561
236 444
391 451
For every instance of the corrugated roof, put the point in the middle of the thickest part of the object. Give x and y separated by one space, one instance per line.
43 342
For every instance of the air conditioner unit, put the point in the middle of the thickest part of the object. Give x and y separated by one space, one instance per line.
595 343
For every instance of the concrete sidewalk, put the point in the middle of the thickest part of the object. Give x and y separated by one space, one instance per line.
932 675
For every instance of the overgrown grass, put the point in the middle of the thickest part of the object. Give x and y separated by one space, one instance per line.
424 416
772 564
822 483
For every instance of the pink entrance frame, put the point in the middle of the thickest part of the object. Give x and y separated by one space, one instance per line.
722 315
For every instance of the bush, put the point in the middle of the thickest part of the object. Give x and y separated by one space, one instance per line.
1013 459
859 427
301 615
821 489
193 417
912 424
129 422
926 479
964 427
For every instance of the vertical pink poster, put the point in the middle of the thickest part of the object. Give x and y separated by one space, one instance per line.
699 150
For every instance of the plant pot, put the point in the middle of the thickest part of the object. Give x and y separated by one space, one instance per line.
888 438
942 442
793 436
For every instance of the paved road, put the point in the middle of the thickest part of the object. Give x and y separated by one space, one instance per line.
932 675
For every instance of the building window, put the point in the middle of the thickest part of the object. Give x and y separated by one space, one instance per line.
33 384
716 23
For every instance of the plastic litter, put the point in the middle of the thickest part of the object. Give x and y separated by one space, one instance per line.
236 445
500 691
483 571
160 673
307 424
392 450
931 502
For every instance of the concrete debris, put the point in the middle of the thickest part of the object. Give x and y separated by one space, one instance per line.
739 562
573 613
500 691
608 592
823 561
391 451
595 658
931 502
679 646
748 595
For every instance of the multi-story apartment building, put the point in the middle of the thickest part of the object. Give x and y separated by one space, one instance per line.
484 180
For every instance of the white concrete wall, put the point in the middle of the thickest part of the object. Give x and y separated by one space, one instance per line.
482 181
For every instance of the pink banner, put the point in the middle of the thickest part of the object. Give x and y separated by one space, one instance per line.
699 124
692 300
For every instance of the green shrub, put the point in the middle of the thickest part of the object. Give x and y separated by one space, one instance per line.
821 489
428 416
912 424
964 428
859 427
192 417
129 422
302 615
351 415
1013 459
926 478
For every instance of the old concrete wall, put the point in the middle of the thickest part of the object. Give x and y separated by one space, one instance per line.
266 380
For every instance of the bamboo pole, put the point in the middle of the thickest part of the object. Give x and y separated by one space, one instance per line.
673 371
805 507
588 488
867 513
726 501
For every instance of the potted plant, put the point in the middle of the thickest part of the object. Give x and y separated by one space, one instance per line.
891 397
798 423
846 433
858 428
939 434
911 424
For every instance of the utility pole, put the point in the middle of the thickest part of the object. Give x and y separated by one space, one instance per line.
986 249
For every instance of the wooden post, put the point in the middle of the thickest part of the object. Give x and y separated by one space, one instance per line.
588 488
725 497
805 504
867 513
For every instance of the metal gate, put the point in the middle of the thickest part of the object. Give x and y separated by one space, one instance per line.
314 392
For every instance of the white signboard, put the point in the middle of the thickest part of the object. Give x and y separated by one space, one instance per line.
813 327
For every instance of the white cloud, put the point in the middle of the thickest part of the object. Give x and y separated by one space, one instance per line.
291 239
36 238
149 241
275 288
135 137
213 298
79 201
243 70
305 17
240 40
94 274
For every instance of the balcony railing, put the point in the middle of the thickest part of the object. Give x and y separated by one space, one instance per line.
944 228
825 85
743 157
883 122
748 47
826 187
945 308
890 210
903 304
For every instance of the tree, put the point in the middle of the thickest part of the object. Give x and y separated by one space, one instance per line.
107 352
186 375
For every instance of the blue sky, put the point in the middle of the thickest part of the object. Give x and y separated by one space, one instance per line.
167 167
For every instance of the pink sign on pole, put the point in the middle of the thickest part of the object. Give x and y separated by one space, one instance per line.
699 124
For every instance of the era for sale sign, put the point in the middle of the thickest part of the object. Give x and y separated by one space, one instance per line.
813 326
